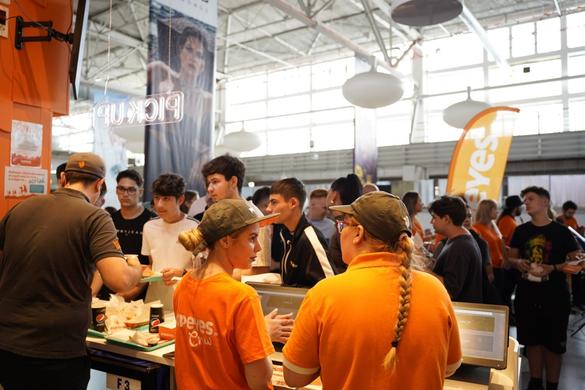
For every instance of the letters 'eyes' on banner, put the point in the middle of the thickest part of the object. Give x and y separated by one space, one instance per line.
480 156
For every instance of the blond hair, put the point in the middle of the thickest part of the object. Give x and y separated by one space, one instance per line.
193 241
483 213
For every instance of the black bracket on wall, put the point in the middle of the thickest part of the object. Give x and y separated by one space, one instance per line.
20 39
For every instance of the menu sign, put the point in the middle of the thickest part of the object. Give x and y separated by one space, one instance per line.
24 181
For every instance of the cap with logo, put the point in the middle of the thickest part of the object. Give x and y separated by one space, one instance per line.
87 163
382 214
227 216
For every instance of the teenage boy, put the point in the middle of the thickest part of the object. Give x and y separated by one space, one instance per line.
224 176
540 250
160 237
129 221
567 217
458 264
305 259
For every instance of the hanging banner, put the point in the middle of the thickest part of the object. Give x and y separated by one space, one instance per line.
181 74
480 156
365 151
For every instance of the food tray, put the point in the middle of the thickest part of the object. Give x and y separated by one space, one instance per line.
156 277
121 338
95 333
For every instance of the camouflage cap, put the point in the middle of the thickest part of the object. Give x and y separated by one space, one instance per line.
382 214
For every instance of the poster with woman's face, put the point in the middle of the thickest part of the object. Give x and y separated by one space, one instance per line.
181 59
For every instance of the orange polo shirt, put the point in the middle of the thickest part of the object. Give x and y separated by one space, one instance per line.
220 328
493 241
507 225
346 324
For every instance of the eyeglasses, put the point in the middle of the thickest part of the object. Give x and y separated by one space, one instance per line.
129 190
341 225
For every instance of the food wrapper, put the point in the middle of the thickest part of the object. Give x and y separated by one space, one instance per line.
121 314
144 338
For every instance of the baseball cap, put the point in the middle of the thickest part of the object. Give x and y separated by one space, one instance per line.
382 214
87 163
513 201
228 215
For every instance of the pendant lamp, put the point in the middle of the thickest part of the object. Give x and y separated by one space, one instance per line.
373 89
241 141
458 114
420 13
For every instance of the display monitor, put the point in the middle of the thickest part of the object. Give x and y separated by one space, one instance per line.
484 333
81 17
285 299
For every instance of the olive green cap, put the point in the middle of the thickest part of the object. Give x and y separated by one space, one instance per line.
228 215
382 214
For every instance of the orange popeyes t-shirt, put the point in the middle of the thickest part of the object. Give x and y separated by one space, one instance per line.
493 241
346 324
507 225
220 328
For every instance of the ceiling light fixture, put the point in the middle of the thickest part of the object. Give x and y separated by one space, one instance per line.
459 114
420 13
373 89
241 141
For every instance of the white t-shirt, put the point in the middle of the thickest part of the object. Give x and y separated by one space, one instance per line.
160 242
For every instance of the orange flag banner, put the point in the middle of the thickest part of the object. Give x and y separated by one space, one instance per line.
480 156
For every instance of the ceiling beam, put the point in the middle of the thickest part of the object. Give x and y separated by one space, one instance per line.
298 14
376 31
473 24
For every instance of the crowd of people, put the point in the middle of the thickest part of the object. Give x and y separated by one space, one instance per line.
370 264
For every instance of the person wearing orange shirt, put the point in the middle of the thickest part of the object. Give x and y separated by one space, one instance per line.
485 226
392 335
567 217
507 219
222 341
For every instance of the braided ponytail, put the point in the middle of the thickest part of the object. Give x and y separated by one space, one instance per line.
404 248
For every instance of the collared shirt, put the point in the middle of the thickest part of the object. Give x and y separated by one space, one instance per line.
51 244
345 328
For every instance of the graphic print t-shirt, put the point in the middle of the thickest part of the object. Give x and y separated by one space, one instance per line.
220 328
548 244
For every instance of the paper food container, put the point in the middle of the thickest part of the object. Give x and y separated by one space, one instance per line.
166 330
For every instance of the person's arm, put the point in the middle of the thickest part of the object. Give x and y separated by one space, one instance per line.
279 326
520 264
133 292
96 283
259 374
295 379
118 274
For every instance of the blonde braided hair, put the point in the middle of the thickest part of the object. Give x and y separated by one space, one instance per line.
404 248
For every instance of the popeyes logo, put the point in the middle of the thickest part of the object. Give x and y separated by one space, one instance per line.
200 332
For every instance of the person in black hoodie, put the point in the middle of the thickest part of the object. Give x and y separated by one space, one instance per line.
305 260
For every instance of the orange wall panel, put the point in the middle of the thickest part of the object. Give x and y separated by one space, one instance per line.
41 69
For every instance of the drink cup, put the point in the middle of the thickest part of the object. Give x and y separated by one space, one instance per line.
98 316
156 317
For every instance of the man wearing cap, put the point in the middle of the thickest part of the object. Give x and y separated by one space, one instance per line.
364 329
50 246
507 219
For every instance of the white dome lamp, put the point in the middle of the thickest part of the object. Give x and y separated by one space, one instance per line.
241 141
420 13
459 114
373 89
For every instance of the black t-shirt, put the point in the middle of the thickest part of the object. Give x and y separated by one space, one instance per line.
547 244
51 244
459 263
130 232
